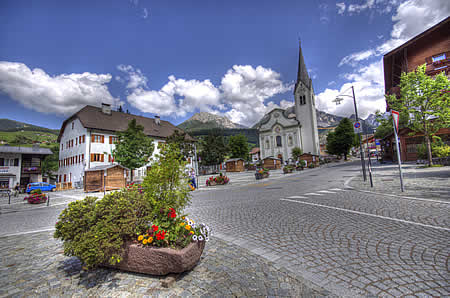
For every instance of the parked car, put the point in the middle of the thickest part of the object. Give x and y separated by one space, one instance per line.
43 186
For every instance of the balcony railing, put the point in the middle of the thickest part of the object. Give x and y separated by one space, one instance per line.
31 170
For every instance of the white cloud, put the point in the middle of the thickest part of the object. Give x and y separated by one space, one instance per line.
368 82
354 58
341 7
246 88
357 8
323 18
241 95
331 83
62 94
145 13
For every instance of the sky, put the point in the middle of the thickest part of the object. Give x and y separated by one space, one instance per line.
175 58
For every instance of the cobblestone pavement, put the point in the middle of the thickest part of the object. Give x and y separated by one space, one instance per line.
420 182
348 242
34 266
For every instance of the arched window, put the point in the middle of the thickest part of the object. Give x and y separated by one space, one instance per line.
279 141
290 141
267 144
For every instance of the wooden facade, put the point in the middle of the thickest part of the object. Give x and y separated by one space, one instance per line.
310 159
96 180
235 165
272 163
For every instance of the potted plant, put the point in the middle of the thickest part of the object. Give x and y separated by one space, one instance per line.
301 165
138 228
36 197
221 180
288 169
262 173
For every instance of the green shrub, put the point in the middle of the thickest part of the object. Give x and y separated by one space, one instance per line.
438 149
36 191
311 166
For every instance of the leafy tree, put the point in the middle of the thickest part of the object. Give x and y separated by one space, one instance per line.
386 127
427 100
238 146
213 149
134 148
296 152
186 148
341 140
49 164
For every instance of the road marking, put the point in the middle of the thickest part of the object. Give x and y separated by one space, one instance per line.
337 189
369 214
326 191
312 194
297 197
48 229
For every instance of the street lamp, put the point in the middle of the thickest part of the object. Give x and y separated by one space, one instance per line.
338 101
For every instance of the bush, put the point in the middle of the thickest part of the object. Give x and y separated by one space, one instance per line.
311 166
438 149
96 230
36 191
36 198
221 179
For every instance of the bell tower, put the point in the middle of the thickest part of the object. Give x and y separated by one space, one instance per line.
305 108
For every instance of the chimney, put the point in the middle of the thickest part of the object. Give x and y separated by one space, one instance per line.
106 108
157 120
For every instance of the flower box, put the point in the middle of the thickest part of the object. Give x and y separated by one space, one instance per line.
159 260
36 198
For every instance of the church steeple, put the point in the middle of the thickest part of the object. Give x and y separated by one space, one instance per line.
302 72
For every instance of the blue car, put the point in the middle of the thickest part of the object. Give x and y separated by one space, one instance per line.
43 186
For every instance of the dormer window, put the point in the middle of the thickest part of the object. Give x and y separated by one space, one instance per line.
438 57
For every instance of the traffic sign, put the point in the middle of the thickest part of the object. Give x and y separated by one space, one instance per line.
357 127
396 117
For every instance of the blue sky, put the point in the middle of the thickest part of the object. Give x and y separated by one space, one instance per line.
175 58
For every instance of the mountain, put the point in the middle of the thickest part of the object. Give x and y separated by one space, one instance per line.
12 125
326 120
204 120
372 120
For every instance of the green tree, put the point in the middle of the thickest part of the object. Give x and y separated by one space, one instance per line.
296 152
134 148
213 149
341 140
238 146
49 164
427 100
186 147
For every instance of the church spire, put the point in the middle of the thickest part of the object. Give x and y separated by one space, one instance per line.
302 72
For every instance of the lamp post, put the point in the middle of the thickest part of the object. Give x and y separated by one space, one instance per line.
361 152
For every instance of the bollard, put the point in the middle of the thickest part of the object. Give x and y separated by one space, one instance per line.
48 200
9 198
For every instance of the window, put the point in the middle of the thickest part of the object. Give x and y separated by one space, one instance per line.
72 125
279 141
97 157
438 57
62 147
290 141
84 138
98 139
76 141
113 140
267 144
82 157
71 143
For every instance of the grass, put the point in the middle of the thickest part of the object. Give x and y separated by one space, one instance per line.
35 136
432 166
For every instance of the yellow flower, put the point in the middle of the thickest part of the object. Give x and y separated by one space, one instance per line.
187 227
182 224
145 241
150 240
183 217
192 232
140 238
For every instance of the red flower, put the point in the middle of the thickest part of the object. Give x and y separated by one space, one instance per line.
161 235
155 228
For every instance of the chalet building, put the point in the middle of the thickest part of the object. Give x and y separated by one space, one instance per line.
21 165
255 154
87 140
431 47
281 130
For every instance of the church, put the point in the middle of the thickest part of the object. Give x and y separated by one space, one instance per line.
281 130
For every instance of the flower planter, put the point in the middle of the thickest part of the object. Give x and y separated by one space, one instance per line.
36 199
299 168
258 176
159 261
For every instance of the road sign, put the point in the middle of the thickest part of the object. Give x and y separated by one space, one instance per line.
396 117
357 127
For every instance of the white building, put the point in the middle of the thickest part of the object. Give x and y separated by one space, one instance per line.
21 165
87 140
282 130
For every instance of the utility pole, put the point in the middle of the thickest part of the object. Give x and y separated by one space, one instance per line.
363 163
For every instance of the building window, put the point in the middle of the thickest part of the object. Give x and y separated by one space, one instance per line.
279 141
72 125
438 57
113 140
290 141
267 144
97 157
82 158
98 139
84 138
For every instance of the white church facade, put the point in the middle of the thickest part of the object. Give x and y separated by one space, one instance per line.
281 130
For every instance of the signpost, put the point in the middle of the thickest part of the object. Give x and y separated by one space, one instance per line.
357 127
395 120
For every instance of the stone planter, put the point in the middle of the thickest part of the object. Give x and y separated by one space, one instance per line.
159 261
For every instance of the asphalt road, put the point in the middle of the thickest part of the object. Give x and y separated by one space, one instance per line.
348 242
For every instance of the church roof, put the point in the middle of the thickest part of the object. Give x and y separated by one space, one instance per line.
302 72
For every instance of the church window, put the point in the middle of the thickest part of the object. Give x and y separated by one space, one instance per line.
279 141
267 144
290 141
